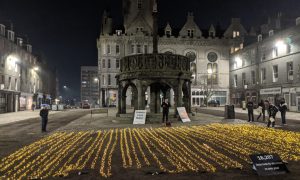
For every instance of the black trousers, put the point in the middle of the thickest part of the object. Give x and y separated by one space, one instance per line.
44 123
250 115
283 113
264 115
165 116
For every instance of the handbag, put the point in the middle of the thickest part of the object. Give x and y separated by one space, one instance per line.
272 119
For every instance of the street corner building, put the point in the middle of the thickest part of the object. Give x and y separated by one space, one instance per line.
25 78
226 62
268 68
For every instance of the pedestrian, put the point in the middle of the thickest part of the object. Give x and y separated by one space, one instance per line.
261 110
32 107
44 117
250 107
273 111
283 109
165 105
267 107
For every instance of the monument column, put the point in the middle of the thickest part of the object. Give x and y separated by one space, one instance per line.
141 96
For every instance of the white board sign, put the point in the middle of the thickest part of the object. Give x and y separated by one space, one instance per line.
183 114
139 117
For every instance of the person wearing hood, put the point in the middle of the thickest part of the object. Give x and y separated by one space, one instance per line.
283 109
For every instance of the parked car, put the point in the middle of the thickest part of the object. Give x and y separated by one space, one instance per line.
86 106
213 103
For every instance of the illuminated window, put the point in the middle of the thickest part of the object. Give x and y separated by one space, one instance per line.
234 34
237 33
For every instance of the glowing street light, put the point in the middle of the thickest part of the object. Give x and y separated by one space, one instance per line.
65 87
36 68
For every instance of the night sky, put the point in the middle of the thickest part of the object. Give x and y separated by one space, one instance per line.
65 31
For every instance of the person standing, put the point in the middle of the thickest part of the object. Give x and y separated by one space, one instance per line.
250 107
44 117
283 109
165 105
273 111
262 110
32 107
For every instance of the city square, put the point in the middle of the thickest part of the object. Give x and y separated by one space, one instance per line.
149 89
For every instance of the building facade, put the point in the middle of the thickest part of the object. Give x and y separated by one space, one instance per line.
22 75
268 68
209 50
90 85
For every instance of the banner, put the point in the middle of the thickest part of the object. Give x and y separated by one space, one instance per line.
183 114
140 117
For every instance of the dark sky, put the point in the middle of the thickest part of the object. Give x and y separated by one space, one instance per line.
65 31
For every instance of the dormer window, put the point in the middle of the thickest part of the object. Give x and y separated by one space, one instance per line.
119 32
259 38
211 34
139 29
2 30
168 33
271 32
10 35
190 33
139 4
19 41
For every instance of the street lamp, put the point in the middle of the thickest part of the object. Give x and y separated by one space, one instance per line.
98 87
244 104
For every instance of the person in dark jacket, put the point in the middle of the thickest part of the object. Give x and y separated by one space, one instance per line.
165 105
283 109
250 107
262 106
44 116
273 111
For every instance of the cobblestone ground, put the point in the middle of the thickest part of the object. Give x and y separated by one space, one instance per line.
107 147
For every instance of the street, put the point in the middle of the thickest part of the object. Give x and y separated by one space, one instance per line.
17 134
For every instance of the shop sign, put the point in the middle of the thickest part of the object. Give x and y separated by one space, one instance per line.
285 90
271 91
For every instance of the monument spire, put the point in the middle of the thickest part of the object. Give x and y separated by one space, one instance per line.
155 28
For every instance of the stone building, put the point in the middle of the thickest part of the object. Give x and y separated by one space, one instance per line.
270 67
22 76
209 49
89 85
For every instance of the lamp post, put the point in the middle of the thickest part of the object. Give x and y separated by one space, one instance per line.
98 88
244 104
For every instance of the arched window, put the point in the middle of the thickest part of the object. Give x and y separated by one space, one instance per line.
197 93
212 73
168 52
193 93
